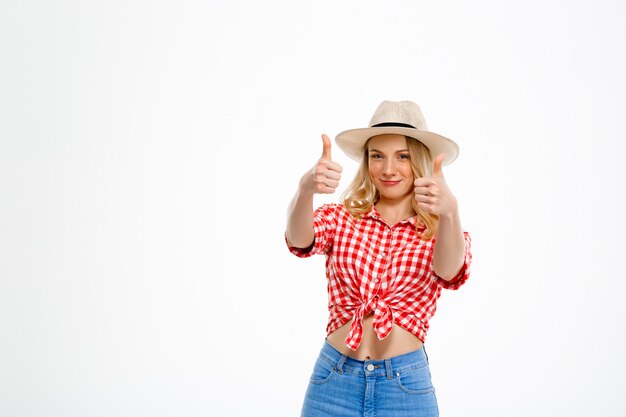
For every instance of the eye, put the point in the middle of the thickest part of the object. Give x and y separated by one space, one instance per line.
404 156
376 156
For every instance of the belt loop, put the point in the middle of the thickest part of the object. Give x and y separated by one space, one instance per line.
340 364
424 347
388 369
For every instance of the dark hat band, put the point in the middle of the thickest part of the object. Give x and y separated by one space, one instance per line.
394 124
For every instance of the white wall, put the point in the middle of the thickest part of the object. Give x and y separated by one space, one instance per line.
148 151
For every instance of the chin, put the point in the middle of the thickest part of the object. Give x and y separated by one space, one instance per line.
394 196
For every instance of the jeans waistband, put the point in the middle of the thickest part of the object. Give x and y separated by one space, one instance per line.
378 367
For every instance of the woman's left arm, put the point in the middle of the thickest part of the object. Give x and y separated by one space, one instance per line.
433 196
449 251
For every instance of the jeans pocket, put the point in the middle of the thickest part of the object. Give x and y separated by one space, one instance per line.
323 371
415 381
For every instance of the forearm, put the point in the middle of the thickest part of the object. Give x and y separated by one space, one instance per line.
449 251
300 220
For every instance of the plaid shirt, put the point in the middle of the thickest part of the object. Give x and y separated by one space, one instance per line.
374 268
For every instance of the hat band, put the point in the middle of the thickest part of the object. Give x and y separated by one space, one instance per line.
393 124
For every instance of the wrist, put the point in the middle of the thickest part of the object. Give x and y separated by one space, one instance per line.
449 217
305 191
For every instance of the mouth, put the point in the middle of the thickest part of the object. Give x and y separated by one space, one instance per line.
390 183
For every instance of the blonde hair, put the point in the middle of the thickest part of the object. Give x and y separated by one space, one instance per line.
361 194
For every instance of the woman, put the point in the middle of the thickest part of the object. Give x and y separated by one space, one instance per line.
391 246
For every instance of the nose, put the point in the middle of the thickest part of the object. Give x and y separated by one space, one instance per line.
389 167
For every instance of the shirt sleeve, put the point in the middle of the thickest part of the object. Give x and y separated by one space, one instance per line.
324 227
463 273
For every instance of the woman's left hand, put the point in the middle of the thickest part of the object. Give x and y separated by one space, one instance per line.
432 194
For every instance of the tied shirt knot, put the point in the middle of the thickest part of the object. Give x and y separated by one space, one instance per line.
382 322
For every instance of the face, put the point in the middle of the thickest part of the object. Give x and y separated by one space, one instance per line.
390 167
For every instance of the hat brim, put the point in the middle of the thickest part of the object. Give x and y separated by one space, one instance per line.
352 141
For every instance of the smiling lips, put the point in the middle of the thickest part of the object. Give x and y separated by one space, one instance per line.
390 183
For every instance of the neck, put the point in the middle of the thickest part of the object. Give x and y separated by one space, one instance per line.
393 211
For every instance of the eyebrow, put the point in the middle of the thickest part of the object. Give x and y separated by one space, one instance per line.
376 150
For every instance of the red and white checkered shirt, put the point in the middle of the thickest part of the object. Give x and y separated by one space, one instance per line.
372 267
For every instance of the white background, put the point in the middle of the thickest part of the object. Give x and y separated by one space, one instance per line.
149 149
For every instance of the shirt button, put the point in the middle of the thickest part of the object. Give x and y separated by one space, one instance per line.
370 367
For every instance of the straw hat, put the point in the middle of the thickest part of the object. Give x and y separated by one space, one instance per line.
397 117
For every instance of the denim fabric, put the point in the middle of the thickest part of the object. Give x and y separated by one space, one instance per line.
344 387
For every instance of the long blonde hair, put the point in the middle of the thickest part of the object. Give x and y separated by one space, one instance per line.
361 194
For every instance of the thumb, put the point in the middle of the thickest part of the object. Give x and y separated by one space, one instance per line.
437 164
326 151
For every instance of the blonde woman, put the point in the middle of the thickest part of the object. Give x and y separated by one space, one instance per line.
391 246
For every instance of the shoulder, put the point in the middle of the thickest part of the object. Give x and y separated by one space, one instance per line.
333 213
333 208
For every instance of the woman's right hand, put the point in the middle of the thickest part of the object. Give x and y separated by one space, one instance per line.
324 177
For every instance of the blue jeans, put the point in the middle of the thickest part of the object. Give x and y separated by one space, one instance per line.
344 387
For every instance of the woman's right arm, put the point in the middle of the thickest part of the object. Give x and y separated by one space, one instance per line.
323 178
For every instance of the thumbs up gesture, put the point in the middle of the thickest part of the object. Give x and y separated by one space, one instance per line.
432 194
324 177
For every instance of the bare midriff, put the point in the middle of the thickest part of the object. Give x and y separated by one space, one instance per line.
398 342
